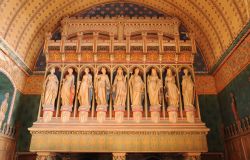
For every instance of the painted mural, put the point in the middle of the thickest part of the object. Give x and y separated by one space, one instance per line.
240 88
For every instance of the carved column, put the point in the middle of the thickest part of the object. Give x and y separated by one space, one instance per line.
144 39
160 38
119 156
192 156
45 156
95 38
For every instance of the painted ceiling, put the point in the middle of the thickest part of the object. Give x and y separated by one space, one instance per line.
214 23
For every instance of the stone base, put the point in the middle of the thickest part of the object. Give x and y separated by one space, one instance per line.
190 113
173 114
65 115
137 116
101 116
83 116
119 116
47 115
155 116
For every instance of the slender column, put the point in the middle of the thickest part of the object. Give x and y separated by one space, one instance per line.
163 102
179 87
177 43
128 97
110 99
145 92
144 41
93 99
59 92
95 38
77 89
196 96
111 46
128 43
192 156
160 38
194 50
119 156
45 156
63 42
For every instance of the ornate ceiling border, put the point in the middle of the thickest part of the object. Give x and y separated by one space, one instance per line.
14 56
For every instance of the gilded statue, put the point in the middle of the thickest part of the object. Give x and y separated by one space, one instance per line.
154 88
68 89
102 88
86 89
187 89
136 87
172 91
50 89
120 90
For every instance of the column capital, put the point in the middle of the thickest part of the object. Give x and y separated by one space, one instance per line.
119 156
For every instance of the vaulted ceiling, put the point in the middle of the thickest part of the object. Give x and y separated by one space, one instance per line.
214 23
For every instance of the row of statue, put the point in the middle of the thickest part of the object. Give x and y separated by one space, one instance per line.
102 89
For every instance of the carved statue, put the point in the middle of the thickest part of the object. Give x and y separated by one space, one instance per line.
120 89
154 86
187 89
86 89
68 89
172 92
3 109
50 89
102 88
136 87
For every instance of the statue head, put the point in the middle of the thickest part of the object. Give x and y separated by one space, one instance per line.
7 95
137 70
86 70
70 70
153 72
119 70
185 71
103 70
169 72
52 70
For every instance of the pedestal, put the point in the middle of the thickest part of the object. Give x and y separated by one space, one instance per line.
119 116
119 113
119 156
83 113
155 113
101 113
46 156
173 113
137 116
190 113
48 112
65 113
192 156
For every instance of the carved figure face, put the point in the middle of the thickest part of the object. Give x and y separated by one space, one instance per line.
70 70
103 70
169 72
86 70
185 71
119 71
52 71
137 71
154 73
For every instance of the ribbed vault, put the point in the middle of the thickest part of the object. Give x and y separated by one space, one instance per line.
214 23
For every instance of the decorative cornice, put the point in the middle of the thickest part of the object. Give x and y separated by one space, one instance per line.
230 49
14 56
